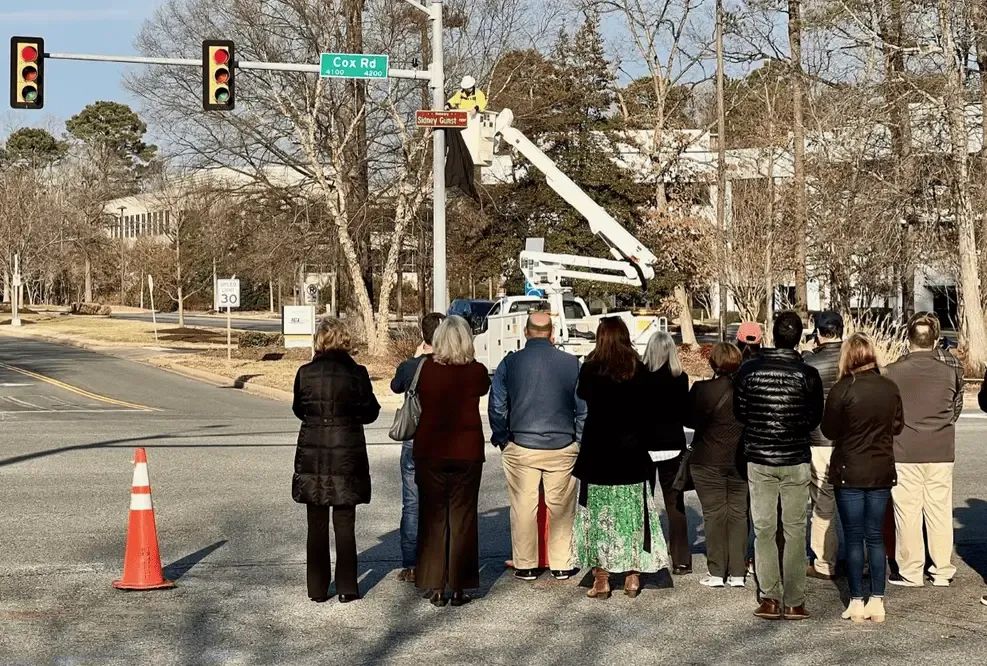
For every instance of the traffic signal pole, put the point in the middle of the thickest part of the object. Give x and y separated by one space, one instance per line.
435 75
440 293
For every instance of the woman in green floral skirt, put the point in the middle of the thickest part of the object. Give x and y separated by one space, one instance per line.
617 526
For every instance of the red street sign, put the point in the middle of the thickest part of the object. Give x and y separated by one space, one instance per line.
456 119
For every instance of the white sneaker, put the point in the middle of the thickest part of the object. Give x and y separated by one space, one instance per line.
736 581
940 582
875 609
712 581
855 611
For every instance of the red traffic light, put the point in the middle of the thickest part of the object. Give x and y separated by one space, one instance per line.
29 54
221 56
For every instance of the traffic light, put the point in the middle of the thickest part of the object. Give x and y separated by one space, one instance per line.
27 72
218 78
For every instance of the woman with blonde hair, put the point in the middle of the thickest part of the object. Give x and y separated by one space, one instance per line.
334 400
863 414
448 453
666 395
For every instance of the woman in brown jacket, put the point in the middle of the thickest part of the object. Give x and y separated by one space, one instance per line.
863 414
448 452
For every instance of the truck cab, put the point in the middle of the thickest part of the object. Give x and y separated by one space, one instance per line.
502 331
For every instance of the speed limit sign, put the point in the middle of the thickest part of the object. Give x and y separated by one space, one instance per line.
227 294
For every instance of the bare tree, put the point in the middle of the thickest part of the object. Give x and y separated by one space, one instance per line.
954 100
668 44
310 126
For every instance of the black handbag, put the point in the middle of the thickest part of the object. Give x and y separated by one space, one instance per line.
406 418
683 478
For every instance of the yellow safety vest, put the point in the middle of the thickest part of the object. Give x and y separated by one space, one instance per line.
468 102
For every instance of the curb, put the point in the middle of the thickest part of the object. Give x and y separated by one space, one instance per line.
225 382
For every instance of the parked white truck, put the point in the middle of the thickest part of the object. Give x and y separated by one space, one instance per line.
632 263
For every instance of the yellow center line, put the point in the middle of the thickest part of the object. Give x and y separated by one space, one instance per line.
78 391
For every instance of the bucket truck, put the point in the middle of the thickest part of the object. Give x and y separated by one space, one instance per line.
632 264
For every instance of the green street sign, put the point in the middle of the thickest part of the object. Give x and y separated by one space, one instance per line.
354 66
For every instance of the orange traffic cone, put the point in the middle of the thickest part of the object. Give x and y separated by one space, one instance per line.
142 561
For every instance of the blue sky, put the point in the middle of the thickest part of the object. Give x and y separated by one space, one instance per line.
105 27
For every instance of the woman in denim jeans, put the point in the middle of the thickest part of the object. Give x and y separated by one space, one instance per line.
863 414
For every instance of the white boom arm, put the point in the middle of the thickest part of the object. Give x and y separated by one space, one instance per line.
545 269
623 245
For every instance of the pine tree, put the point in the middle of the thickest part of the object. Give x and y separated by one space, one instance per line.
579 134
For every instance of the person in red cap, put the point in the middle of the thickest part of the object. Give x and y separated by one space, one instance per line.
749 339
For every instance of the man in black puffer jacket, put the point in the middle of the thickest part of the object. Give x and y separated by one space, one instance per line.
823 539
779 399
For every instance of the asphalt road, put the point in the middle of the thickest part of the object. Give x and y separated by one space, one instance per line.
220 465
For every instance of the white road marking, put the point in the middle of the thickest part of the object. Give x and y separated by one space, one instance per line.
13 385
77 411
22 403
973 416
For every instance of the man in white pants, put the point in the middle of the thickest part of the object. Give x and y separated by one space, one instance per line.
823 536
932 398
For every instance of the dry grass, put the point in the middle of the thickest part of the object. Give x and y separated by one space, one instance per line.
889 340
106 331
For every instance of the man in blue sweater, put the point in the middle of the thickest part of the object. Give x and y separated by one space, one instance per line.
537 420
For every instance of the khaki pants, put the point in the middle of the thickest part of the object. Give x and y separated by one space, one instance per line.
526 470
823 539
924 490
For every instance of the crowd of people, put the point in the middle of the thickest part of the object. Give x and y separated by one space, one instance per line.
872 447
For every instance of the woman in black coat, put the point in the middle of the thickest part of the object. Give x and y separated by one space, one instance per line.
334 400
863 415
715 468
666 400
617 525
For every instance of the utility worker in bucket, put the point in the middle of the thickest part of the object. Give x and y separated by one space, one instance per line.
469 97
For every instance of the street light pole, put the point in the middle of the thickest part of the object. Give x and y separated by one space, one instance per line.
15 318
722 251
440 293
122 276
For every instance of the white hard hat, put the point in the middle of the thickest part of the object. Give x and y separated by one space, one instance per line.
467 83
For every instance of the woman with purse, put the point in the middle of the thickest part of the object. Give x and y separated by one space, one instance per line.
666 395
713 463
334 400
448 452
406 382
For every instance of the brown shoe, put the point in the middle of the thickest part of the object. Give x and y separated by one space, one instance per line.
796 613
407 575
769 610
632 585
812 573
601 584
